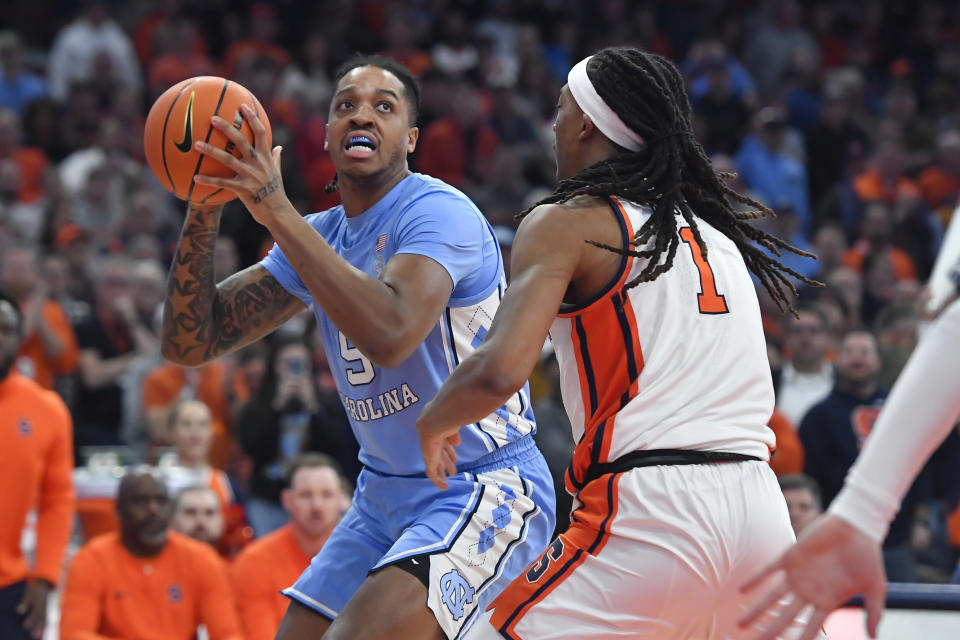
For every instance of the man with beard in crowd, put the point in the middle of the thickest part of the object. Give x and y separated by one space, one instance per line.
145 581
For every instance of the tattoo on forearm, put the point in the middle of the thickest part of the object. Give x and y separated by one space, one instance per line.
199 317
267 189
245 305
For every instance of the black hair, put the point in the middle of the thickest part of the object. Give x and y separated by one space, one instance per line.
671 174
131 474
812 307
801 481
411 88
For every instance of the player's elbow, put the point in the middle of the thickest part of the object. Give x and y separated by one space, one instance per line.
387 355
390 346
496 377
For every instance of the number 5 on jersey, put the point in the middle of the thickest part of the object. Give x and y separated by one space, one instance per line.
709 300
361 370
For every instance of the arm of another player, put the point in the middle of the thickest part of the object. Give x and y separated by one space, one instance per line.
546 252
203 320
839 556
385 318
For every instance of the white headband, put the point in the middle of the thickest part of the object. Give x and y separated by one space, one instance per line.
593 105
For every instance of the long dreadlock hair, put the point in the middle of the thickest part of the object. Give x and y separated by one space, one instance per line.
670 174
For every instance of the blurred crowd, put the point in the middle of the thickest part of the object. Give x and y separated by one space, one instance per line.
841 116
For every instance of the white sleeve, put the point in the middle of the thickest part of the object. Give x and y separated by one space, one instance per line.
922 408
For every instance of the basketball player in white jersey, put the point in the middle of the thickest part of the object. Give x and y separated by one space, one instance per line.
637 266
839 555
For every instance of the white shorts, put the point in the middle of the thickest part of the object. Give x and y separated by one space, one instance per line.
654 553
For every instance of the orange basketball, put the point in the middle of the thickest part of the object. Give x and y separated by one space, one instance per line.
181 116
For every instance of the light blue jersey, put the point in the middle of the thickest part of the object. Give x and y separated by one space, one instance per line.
424 216
467 543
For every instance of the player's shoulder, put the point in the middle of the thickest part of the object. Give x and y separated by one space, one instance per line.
432 202
41 399
58 408
576 206
420 187
571 219
327 219
99 549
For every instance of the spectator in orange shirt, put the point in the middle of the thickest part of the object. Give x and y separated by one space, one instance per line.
802 495
36 455
876 230
263 29
32 162
49 347
400 43
788 458
145 582
456 148
315 499
197 513
191 432
167 384
884 181
940 183
178 58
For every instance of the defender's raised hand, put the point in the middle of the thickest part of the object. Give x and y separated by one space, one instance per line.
830 563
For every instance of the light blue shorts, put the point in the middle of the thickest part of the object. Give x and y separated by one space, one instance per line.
477 536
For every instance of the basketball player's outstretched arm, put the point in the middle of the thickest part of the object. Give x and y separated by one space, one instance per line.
203 320
546 252
386 318
839 555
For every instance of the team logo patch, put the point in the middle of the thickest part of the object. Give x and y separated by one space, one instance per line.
174 593
862 420
455 592
24 428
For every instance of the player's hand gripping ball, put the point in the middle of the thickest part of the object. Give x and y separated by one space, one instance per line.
181 116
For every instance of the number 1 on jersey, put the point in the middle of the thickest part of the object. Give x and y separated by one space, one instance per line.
710 301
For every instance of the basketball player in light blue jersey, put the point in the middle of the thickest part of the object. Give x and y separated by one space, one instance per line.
404 278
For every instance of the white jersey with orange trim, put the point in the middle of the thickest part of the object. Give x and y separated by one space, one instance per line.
681 364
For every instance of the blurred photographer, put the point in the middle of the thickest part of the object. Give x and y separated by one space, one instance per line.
289 415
